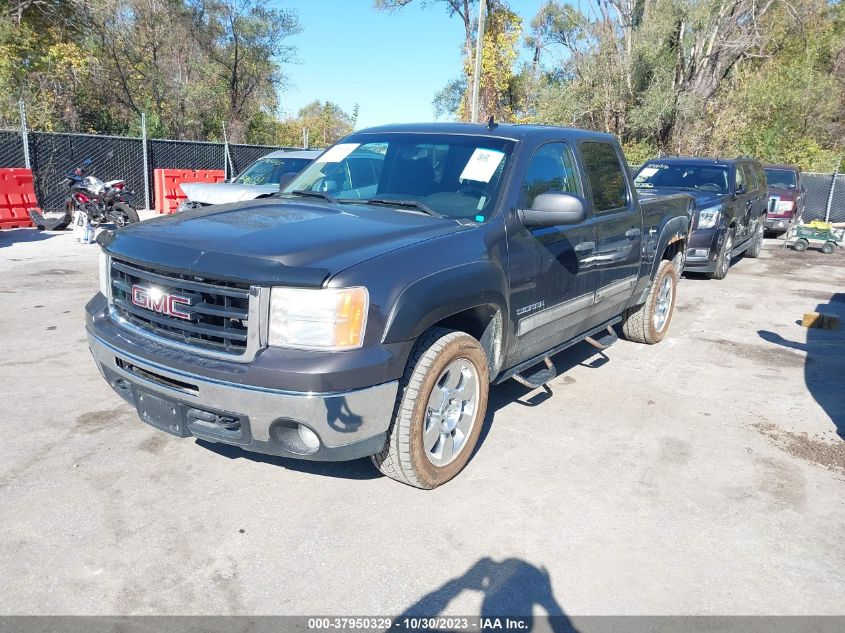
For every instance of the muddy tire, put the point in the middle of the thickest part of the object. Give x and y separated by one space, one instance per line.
756 247
723 261
439 412
828 247
649 322
800 245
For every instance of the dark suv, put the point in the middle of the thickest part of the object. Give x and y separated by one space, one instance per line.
786 197
731 198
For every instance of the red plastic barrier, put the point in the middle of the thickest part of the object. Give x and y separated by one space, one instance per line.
17 196
166 183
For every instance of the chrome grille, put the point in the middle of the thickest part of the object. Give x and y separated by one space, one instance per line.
219 310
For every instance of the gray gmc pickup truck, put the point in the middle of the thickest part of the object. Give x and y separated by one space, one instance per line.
366 309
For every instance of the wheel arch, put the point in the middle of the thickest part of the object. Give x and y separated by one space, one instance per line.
443 300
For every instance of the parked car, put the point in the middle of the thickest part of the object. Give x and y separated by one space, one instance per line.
787 195
730 206
262 178
368 316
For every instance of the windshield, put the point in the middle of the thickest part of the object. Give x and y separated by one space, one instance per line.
781 178
451 175
679 176
268 171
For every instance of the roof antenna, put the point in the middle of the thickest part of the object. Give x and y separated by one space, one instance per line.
491 123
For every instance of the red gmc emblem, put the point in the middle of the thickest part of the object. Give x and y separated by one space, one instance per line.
162 302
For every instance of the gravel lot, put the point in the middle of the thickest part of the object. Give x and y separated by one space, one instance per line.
704 475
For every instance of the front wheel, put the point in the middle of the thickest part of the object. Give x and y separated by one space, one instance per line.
649 322
828 247
800 244
756 246
124 214
441 406
723 260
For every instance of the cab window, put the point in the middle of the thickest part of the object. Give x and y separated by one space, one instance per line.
552 168
608 186
740 179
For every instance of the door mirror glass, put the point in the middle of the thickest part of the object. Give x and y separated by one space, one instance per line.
553 209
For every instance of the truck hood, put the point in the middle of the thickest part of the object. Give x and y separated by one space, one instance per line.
272 241
223 192
703 199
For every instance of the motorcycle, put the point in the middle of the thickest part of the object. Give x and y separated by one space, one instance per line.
102 202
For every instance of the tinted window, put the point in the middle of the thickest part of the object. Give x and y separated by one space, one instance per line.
551 169
682 176
750 177
740 179
761 176
606 176
785 178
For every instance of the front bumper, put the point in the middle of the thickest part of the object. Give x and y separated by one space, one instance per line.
329 426
703 250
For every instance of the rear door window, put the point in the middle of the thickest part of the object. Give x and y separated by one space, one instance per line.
750 177
608 186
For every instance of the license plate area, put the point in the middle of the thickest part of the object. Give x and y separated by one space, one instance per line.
163 414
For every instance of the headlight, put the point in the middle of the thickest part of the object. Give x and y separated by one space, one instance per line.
707 218
785 206
105 277
321 318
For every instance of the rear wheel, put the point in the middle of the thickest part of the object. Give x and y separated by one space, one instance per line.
649 322
124 214
828 248
800 244
723 261
440 410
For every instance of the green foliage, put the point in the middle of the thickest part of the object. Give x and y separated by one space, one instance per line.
704 77
190 65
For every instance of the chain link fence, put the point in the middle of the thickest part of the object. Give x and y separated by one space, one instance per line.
116 158
818 193
113 157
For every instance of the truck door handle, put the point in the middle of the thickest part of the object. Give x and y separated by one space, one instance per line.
584 247
632 233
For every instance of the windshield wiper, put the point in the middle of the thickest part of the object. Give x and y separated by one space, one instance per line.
315 194
411 204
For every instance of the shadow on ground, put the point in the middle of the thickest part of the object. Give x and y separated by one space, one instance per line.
8 236
500 396
511 588
824 367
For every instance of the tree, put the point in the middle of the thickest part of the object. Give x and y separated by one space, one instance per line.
245 40
696 76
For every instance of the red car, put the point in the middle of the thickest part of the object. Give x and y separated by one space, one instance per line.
786 197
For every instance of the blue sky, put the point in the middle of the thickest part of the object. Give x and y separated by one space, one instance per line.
390 64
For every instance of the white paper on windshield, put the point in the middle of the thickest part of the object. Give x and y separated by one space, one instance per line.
337 153
647 172
482 165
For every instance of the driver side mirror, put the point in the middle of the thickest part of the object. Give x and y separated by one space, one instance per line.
740 189
553 209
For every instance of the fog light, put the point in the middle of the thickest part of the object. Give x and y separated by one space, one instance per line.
308 437
294 437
